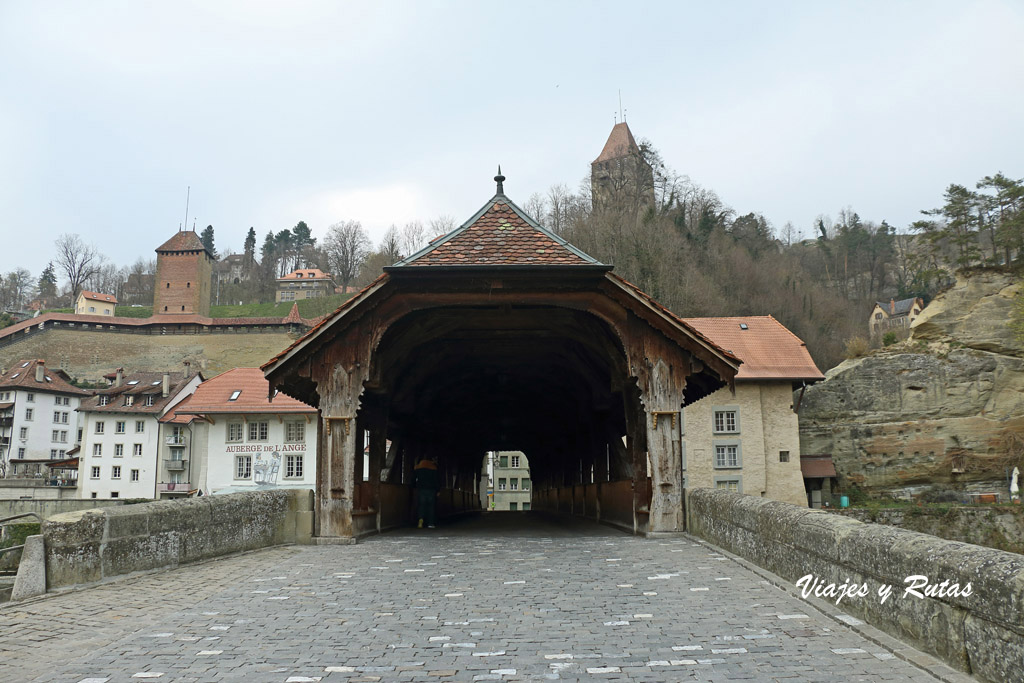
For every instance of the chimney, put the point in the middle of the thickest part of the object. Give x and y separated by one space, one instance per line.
165 388
40 370
892 306
119 379
188 369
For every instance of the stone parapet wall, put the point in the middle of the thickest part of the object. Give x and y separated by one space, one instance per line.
92 545
981 633
1000 527
47 508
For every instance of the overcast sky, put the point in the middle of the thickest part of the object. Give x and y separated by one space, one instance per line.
386 112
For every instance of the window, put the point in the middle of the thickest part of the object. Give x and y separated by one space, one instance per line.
97 449
104 400
92 309
150 399
55 435
293 466
94 493
294 431
783 456
140 426
258 431
95 472
63 453
878 316
515 461
726 421
129 400
513 484
513 506
30 398
21 452
23 433
526 484
526 506
63 436
234 431
115 472
53 454
115 494
64 418
56 416
137 449
100 426
243 467
119 427
234 395
727 484
727 455
502 484
134 475
503 461
28 414
118 450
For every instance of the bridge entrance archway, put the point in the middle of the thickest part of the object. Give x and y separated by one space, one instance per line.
501 336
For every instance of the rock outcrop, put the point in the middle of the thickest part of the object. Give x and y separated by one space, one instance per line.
946 407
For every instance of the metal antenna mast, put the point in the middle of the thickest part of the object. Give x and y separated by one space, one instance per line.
188 194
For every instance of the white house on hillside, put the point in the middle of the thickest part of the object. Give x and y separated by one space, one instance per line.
94 303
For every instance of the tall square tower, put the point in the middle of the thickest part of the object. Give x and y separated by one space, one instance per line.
183 273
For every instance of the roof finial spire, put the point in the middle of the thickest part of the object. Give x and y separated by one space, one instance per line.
500 179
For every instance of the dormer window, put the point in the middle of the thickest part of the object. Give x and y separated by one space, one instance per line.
104 400
129 400
149 399
298 274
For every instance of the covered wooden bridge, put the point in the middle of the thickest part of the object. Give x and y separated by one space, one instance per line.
501 336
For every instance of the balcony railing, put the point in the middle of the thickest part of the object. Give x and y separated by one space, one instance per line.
175 465
173 440
173 487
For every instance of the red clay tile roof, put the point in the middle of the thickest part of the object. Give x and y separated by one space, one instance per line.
501 234
22 375
183 240
307 274
83 321
768 350
214 397
95 296
620 144
293 316
818 467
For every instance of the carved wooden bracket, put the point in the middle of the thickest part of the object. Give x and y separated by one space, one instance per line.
328 420
656 413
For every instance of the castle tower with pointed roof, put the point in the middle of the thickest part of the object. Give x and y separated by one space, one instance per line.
183 275
620 178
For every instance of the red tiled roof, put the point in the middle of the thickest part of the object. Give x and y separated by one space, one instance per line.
95 296
214 396
84 320
183 240
768 350
620 144
306 274
818 467
293 316
22 375
499 235
137 385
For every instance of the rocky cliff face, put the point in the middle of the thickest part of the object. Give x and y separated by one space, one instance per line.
946 407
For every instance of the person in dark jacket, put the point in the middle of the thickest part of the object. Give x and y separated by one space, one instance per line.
427 481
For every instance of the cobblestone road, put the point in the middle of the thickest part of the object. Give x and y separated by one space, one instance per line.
500 598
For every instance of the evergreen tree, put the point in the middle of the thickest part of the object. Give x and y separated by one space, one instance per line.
250 248
206 236
48 282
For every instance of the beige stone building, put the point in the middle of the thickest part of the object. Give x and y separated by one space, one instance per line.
94 303
305 283
895 315
748 440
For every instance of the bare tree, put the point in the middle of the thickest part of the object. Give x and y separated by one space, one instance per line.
559 202
391 245
412 238
78 261
347 246
536 206
442 225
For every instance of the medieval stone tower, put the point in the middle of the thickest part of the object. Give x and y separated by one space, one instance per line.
620 178
183 274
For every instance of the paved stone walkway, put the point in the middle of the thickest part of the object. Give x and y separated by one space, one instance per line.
507 597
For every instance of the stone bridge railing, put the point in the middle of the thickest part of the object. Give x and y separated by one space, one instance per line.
91 545
981 633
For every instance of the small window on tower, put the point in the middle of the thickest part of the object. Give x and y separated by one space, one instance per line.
168 285
188 285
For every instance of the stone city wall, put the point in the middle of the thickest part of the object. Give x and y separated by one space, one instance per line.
91 545
981 633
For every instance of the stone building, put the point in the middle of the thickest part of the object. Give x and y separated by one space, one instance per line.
232 437
510 480
183 275
748 440
122 438
38 418
620 178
